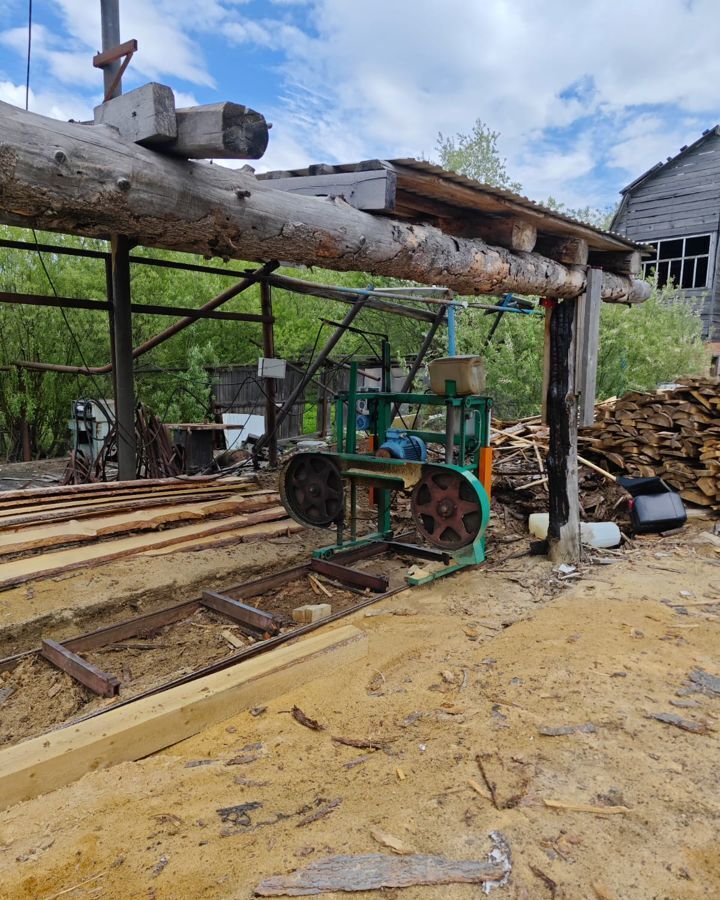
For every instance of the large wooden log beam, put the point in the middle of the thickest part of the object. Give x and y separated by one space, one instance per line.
87 180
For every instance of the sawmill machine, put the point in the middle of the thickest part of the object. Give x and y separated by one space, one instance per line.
446 473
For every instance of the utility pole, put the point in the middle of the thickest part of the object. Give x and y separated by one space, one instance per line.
120 311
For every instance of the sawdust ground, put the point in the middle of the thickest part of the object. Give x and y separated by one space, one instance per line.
484 660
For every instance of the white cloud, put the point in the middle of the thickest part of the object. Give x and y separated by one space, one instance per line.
586 95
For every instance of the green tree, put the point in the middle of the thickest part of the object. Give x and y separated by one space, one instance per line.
476 155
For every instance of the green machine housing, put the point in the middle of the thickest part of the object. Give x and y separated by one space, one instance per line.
449 498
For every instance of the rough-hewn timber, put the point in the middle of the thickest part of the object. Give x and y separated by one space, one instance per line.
86 180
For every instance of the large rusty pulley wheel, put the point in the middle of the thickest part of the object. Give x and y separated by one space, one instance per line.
446 509
311 489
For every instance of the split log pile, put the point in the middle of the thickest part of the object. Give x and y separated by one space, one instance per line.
520 476
51 531
671 433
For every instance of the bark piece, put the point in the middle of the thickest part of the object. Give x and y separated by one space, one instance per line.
302 719
679 722
373 871
705 680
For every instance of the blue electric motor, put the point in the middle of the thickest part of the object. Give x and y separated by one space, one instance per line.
401 445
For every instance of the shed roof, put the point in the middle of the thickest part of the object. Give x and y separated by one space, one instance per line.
422 190
653 170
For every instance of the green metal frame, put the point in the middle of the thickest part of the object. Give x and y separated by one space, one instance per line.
472 415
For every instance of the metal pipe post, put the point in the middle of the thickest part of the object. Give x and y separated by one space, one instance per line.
110 27
269 353
452 343
122 329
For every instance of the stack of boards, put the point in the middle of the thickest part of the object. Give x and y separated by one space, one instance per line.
48 531
671 433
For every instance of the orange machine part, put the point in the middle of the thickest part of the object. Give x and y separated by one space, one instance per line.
485 469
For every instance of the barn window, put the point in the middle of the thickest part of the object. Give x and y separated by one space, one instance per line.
684 261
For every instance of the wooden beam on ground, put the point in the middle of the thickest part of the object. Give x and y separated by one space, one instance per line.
150 724
110 185
80 669
46 565
254 619
562 464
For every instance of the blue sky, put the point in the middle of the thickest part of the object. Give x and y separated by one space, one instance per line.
586 95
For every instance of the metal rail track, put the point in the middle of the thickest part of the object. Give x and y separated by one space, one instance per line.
67 656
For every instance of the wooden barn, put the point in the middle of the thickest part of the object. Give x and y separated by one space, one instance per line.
675 207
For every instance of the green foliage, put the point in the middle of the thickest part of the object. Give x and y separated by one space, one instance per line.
476 155
640 347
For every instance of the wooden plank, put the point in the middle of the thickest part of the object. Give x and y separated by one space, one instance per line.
374 191
98 681
247 535
61 561
131 732
257 620
73 532
112 487
96 507
345 575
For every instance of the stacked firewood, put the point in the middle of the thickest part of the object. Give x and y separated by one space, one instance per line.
672 433
520 476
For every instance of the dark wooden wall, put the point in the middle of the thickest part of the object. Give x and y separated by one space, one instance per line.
682 199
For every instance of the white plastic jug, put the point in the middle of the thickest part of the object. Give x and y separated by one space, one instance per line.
596 534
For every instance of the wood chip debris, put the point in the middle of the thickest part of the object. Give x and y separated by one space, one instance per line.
324 810
560 730
361 744
587 808
679 722
390 841
302 719
374 871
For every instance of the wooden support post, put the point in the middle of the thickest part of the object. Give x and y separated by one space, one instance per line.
587 344
564 528
269 353
124 386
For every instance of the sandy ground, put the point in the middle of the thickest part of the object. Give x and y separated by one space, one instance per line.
471 668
